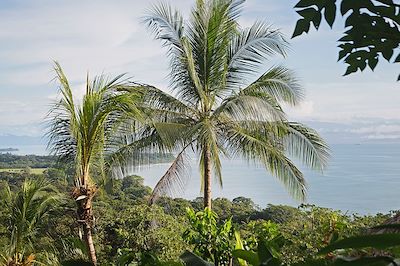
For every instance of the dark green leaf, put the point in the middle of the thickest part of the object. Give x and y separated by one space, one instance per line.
397 60
376 241
330 13
308 13
302 25
342 54
249 256
263 252
346 6
372 62
387 52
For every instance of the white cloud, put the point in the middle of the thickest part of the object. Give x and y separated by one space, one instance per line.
303 111
107 37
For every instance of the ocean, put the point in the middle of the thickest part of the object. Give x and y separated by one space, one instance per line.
362 179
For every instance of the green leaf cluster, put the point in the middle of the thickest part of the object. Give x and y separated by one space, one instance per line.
372 29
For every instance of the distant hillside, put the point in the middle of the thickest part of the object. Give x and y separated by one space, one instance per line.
8 160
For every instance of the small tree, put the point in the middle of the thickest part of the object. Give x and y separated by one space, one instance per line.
84 134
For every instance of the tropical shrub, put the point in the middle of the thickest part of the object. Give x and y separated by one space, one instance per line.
211 239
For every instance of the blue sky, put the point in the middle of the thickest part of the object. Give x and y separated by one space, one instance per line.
106 36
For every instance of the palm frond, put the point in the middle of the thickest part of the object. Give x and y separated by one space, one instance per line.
280 83
62 120
209 31
30 206
250 49
167 26
174 179
160 101
307 145
250 105
131 149
259 148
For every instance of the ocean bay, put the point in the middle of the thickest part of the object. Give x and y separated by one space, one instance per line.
359 179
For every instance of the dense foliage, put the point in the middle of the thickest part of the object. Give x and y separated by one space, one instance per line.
128 229
9 160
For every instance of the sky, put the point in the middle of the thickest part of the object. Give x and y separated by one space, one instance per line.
105 36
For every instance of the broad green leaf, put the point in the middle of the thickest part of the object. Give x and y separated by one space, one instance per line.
308 13
350 69
239 246
264 253
379 241
247 255
387 52
372 62
302 25
330 13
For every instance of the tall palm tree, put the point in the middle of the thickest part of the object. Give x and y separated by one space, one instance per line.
27 209
83 133
226 102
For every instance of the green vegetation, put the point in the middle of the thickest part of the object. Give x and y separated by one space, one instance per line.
128 230
372 29
11 161
36 171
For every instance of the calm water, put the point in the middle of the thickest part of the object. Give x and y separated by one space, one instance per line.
360 179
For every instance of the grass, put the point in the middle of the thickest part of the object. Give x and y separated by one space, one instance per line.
36 171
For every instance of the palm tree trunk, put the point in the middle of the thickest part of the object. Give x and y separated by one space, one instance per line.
207 178
87 227
89 242
85 216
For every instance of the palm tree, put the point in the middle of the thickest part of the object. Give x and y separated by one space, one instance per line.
226 102
83 134
27 209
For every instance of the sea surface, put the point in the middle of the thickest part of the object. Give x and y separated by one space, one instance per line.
361 179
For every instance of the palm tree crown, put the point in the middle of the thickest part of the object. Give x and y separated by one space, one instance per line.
226 103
